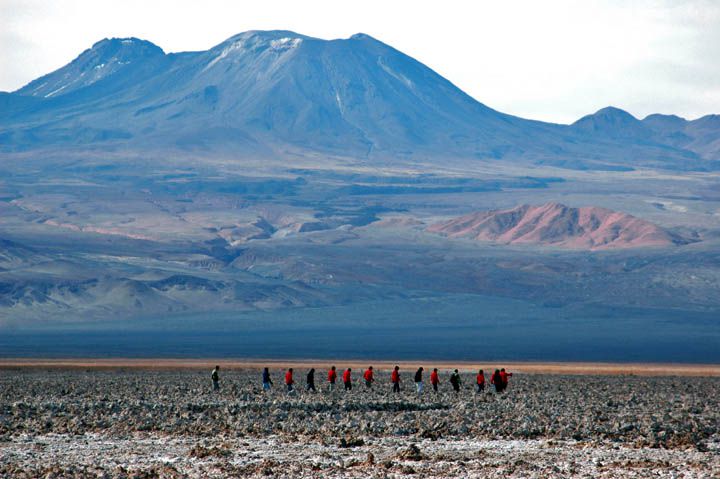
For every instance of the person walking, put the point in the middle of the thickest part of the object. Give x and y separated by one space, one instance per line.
455 381
419 380
504 376
310 383
496 380
266 380
369 378
332 377
347 379
480 382
289 381
215 378
434 379
395 379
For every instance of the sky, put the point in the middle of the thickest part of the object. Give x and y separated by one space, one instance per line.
546 60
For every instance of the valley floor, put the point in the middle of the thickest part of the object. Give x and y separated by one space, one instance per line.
90 422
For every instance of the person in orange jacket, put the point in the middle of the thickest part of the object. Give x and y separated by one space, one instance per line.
395 379
347 379
369 377
504 377
289 381
480 382
434 379
332 377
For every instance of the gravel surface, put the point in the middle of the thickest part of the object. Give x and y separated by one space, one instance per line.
142 423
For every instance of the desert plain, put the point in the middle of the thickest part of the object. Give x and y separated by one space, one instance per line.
142 420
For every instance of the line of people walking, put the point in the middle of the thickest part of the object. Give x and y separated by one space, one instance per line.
498 379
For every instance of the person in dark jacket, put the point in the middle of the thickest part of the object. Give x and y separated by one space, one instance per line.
215 378
266 380
455 381
395 379
496 380
419 381
434 379
480 382
347 379
310 384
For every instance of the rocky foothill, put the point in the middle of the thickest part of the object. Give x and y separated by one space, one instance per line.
145 423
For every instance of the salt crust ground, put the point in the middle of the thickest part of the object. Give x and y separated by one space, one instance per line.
150 455
143 424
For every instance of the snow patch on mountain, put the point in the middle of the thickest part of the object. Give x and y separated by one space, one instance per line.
285 43
394 74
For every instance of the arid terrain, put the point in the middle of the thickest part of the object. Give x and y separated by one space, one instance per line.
281 176
130 422
556 224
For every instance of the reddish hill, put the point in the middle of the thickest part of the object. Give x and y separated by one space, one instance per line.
559 225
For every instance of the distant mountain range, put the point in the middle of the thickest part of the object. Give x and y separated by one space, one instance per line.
274 94
559 225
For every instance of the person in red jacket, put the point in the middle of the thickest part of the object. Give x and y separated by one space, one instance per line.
369 377
289 380
332 377
347 379
434 379
504 377
395 379
480 382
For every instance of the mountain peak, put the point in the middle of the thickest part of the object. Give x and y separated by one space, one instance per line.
362 36
254 38
609 114
612 122
708 120
120 50
664 123
265 35
127 45
105 58
356 96
614 112
662 117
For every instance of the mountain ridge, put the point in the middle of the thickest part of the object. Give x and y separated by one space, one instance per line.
268 92
554 224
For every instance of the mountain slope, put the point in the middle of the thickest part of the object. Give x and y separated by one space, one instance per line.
612 122
348 96
270 93
558 225
106 58
701 135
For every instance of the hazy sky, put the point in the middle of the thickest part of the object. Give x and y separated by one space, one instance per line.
547 60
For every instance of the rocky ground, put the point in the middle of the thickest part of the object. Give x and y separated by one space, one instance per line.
144 423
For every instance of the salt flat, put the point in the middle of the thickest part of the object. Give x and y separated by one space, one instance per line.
88 422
